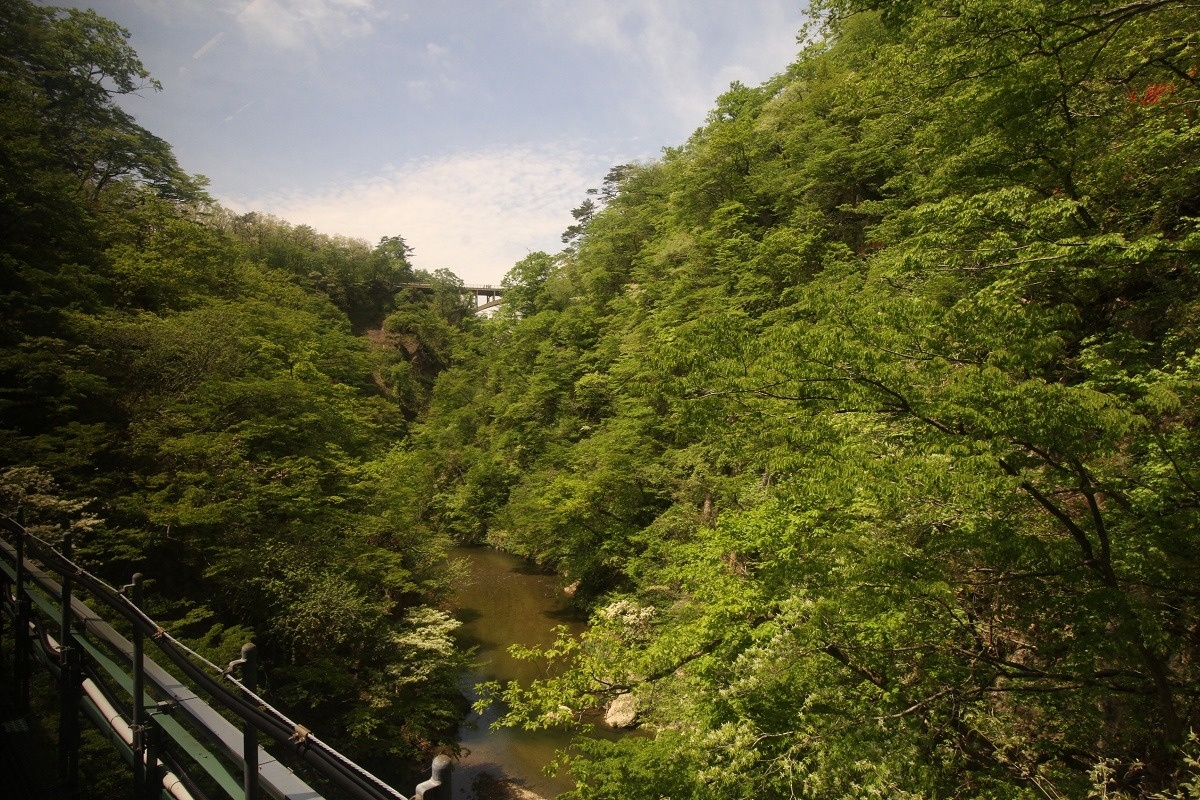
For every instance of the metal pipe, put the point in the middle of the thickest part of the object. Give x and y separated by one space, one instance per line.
171 782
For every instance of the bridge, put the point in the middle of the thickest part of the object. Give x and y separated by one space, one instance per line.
486 296
172 726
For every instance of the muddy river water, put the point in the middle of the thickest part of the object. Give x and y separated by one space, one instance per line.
506 601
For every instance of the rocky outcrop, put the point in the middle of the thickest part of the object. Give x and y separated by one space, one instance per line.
621 712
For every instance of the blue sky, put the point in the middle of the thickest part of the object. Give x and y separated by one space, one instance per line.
469 127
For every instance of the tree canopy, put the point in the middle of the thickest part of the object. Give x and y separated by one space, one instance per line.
190 381
864 420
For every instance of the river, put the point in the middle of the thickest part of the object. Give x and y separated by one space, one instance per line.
506 601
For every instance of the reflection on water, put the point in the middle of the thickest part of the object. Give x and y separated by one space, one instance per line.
507 601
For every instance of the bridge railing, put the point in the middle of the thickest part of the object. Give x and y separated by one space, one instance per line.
176 742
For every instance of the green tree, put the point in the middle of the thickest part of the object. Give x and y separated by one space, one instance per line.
523 284
870 411
191 378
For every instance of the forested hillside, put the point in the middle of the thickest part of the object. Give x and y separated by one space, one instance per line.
866 420
186 388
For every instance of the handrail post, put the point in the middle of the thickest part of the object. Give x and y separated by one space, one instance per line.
153 773
139 711
64 629
438 785
69 732
4 602
249 733
21 633
69 687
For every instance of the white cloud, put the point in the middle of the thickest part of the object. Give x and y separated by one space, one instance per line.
443 75
297 24
421 91
474 213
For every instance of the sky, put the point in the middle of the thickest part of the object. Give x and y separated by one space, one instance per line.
469 127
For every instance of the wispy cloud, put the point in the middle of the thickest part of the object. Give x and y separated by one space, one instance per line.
298 24
668 44
474 213
172 11
240 110
443 74
209 45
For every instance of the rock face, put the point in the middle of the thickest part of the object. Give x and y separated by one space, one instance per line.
621 712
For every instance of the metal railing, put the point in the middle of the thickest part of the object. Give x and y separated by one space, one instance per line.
176 742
